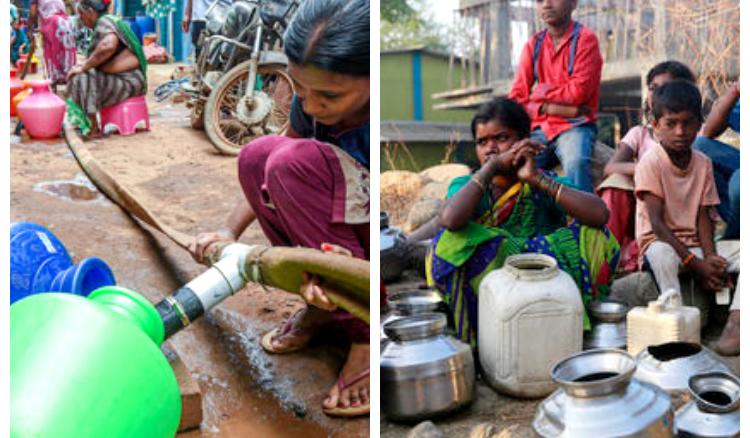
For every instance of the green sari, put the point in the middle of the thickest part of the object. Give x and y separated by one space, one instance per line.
92 90
523 220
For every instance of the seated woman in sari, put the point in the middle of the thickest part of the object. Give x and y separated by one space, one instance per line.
115 69
509 207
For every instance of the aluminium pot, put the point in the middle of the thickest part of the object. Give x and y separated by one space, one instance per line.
608 325
424 372
407 303
715 409
393 254
671 365
599 398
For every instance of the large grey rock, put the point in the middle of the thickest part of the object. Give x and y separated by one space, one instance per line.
434 190
401 183
425 429
635 289
421 213
639 288
445 172
398 192
599 158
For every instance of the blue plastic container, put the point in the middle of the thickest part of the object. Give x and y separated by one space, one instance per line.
145 25
133 26
40 263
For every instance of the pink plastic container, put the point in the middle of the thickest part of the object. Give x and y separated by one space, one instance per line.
126 116
43 112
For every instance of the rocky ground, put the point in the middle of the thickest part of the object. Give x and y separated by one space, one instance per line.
177 174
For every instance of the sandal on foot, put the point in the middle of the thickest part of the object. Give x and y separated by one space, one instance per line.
286 329
351 411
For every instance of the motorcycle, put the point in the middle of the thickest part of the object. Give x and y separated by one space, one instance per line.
223 19
252 98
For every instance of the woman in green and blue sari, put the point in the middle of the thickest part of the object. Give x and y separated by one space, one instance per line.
509 207
114 70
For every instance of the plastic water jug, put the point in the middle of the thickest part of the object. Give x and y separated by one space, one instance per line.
530 317
39 263
90 367
664 320
43 112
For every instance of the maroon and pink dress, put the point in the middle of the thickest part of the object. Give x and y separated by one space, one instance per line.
617 192
313 190
59 38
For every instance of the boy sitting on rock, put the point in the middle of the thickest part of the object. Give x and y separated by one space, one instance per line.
674 188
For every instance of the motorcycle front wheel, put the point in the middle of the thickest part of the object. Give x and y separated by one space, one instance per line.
222 123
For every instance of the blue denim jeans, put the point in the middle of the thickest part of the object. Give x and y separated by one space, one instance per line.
726 167
572 149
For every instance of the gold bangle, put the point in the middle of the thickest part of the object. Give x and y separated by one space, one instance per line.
475 179
557 195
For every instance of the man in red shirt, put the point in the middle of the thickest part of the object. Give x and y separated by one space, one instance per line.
558 83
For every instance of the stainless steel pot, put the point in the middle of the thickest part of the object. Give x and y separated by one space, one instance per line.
599 398
608 325
407 303
715 409
670 366
393 254
423 372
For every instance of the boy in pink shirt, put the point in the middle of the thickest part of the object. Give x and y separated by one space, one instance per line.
617 190
674 188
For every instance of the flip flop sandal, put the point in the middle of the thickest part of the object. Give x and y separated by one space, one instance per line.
286 329
351 411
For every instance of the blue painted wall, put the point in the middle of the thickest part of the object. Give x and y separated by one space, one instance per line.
416 80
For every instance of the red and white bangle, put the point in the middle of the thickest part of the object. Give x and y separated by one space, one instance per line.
688 258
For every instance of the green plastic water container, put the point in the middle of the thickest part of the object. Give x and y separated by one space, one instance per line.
90 367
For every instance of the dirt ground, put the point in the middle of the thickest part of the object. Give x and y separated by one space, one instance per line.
177 174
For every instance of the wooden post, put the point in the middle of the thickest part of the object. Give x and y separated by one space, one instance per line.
500 63
484 47
660 29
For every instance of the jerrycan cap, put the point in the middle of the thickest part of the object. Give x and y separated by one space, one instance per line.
133 306
671 299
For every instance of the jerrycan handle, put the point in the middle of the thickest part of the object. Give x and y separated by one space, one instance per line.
671 299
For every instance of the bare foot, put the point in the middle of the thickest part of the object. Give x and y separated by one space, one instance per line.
729 342
299 329
358 393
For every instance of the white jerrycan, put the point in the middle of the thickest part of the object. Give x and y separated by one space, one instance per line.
530 316
664 320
